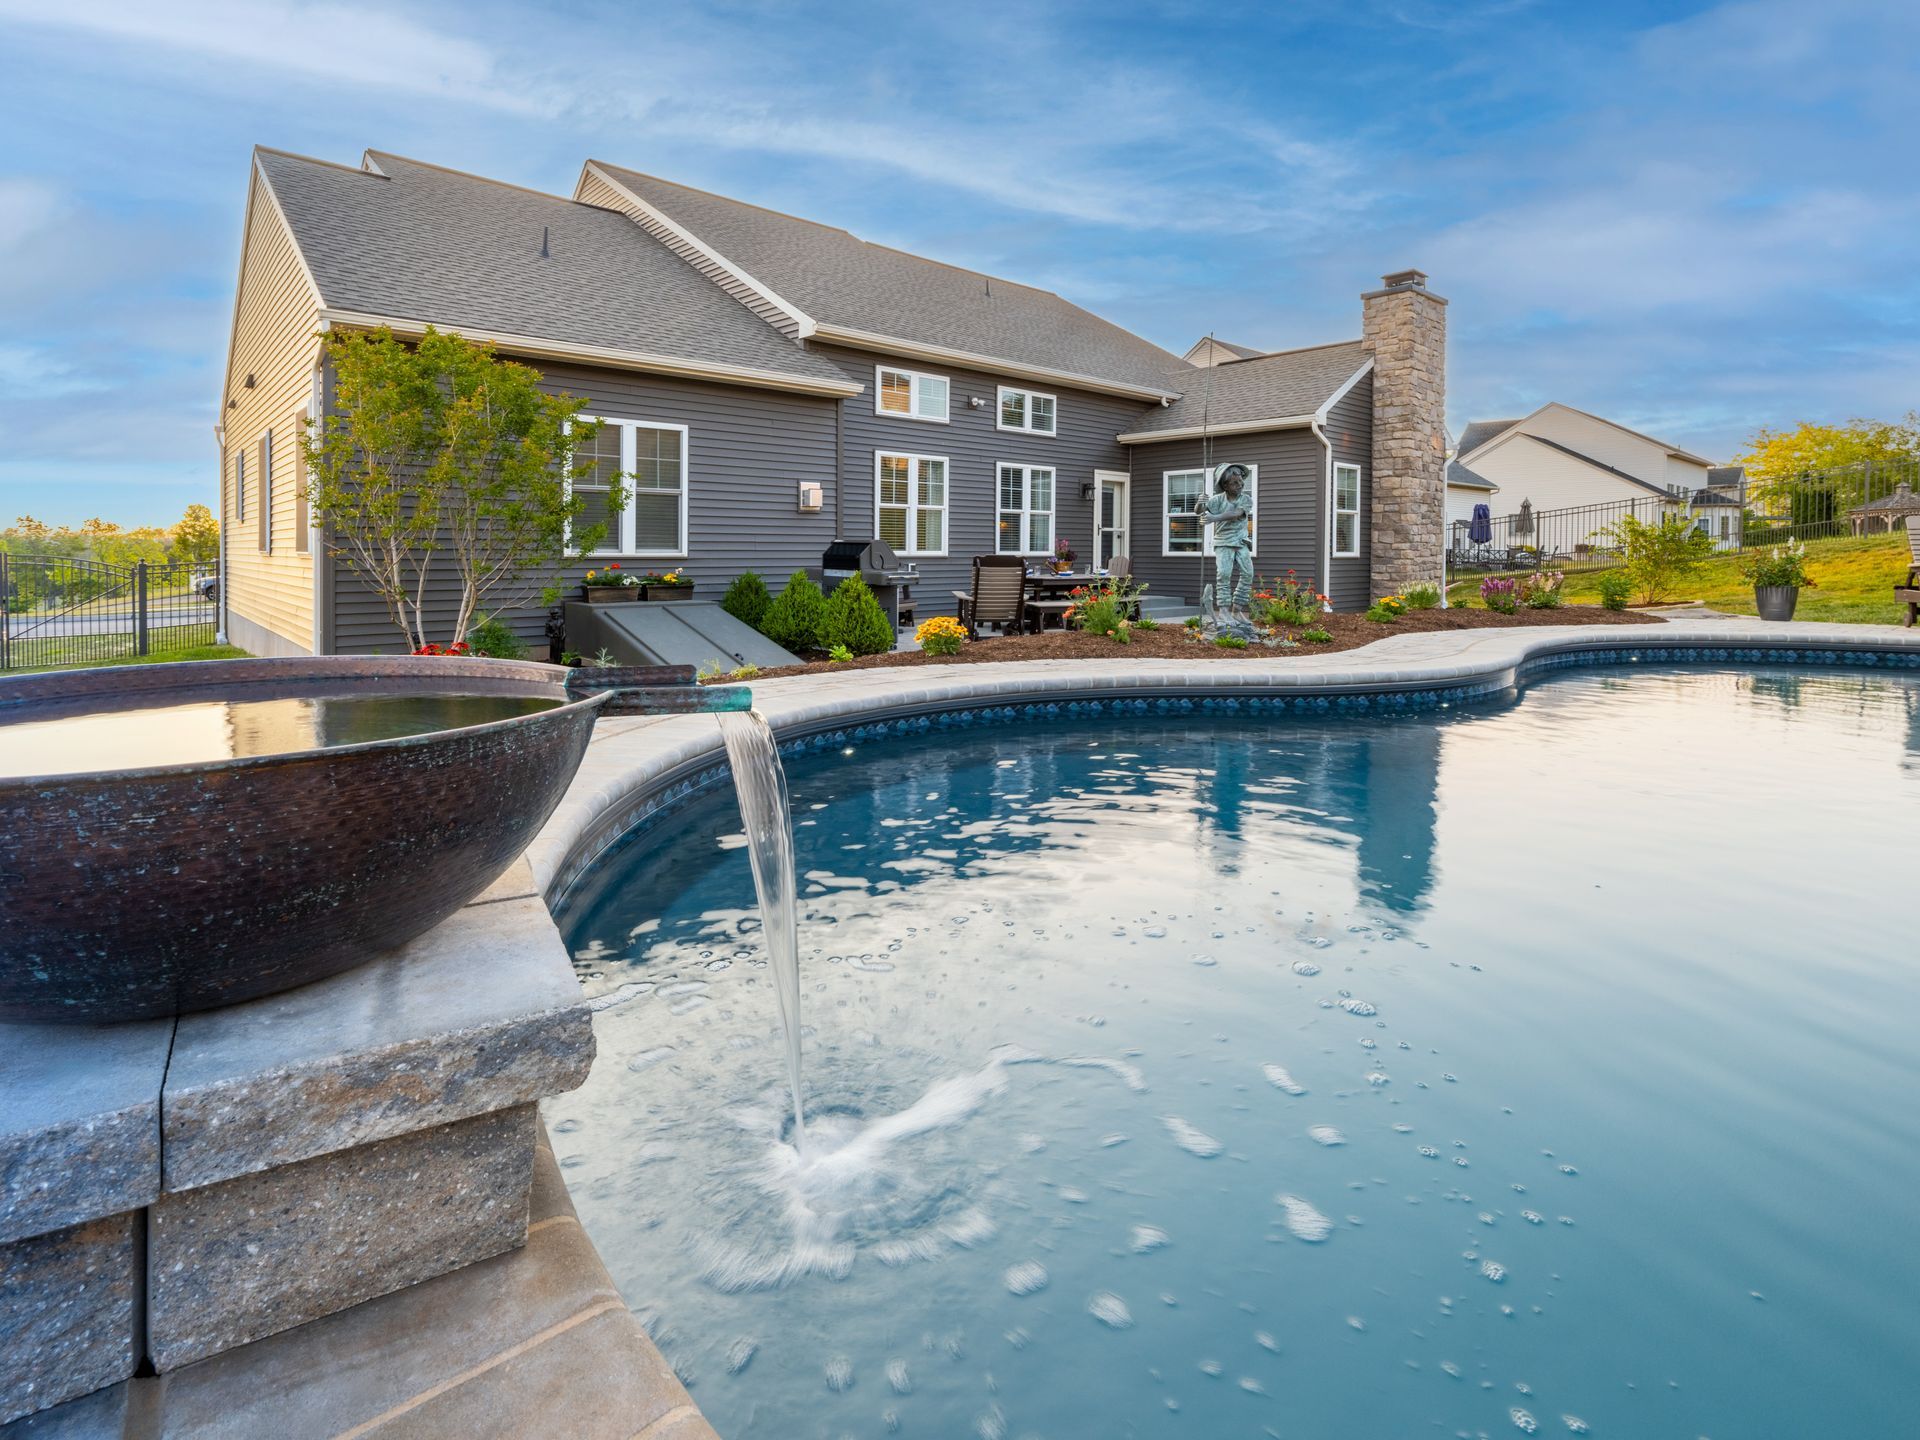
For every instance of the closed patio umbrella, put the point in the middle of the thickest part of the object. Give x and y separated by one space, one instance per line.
1480 531
1523 522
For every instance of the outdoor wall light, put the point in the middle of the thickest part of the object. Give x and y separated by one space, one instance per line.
1086 489
976 402
812 497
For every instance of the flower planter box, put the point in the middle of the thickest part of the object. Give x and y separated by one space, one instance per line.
668 592
609 594
1776 602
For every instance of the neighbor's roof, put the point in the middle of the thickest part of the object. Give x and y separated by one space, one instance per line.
1726 474
1288 385
1479 432
1239 352
1714 497
844 283
412 242
1613 470
1465 479
1902 501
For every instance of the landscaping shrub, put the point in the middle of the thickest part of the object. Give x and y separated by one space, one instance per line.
942 635
1319 635
796 619
1229 642
1423 597
1659 558
1146 622
1778 565
1541 591
743 672
839 654
1387 609
1291 602
1105 609
494 638
747 599
1614 588
854 619
1500 595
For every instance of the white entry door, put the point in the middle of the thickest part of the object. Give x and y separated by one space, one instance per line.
1111 518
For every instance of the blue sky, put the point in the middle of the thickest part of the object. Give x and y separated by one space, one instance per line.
1691 218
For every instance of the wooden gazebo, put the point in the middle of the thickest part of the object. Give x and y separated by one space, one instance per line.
1876 517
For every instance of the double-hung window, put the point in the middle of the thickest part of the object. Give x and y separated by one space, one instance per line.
910 502
909 393
1028 410
648 463
1026 510
1346 510
240 486
1181 532
266 493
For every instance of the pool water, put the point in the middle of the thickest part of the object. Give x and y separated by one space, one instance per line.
204 731
1544 1065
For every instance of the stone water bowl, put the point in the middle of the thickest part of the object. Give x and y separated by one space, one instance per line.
140 892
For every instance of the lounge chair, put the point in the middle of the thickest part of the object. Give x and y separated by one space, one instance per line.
998 596
1910 591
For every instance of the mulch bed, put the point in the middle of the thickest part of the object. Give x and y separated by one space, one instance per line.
1175 642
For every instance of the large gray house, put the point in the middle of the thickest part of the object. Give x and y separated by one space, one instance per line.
774 384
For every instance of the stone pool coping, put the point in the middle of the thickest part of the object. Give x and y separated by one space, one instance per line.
637 768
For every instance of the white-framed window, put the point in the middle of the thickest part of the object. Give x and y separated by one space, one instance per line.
240 485
1346 510
1726 527
1025 510
650 460
266 492
1181 532
910 394
1027 410
910 502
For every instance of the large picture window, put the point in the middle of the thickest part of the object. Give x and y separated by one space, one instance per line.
910 502
909 393
1346 510
1027 410
1026 510
1181 532
652 459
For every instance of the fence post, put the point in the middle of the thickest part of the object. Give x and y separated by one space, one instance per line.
6 614
140 607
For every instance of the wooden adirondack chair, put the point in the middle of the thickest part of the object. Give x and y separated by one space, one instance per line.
1910 591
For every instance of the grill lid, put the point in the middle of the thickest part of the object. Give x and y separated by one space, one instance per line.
866 556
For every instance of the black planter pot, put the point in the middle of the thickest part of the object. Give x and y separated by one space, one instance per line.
1776 602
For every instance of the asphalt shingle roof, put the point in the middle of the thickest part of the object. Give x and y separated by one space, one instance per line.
421 243
1280 386
1458 474
839 279
1244 352
1479 432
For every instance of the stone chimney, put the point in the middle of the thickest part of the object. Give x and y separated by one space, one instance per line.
1405 326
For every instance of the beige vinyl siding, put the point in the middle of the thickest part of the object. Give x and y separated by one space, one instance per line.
274 340
1524 469
593 190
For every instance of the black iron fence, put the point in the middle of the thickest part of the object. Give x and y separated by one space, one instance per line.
1865 499
56 611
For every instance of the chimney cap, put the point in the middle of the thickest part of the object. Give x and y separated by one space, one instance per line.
1405 277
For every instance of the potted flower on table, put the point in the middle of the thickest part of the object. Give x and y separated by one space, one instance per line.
608 583
1778 575
667 585
1063 556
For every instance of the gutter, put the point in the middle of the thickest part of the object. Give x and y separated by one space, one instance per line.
599 355
1237 427
997 364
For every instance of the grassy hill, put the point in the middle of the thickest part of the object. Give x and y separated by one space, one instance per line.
1854 580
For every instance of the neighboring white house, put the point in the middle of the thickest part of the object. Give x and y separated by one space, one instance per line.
1466 489
1560 459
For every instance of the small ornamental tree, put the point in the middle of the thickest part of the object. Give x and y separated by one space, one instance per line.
442 457
1659 558
795 620
747 599
855 620
196 537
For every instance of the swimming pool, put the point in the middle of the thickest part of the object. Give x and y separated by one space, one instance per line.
1544 1062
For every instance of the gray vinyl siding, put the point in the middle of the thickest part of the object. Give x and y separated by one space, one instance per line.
1287 521
975 447
747 452
1349 430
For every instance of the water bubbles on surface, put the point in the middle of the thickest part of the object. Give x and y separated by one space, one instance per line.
740 1354
1213 1368
1566 1219
1193 1141
1144 1239
1493 1270
566 1127
992 1425
1155 932
1576 1424
1377 1078
1025 1278
1109 1309
687 1005
1305 967
647 1059
1107 1142
1325 1135
1452 1369
1533 1217
1402 1128
1266 1342
1281 1080
1522 1420
1320 942
1032 1144
839 1374
1072 1195
1568 1170
1368 1044
970 1229
1252 1386
1128 1075
899 1377
1429 1152
632 990
1358 1007
1017 1338
1485 1217
1304 1222
1354 1322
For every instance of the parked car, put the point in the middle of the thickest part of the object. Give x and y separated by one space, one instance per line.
207 588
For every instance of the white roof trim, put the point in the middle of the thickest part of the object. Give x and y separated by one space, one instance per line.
1669 447
804 321
1326 405
257 183
599 355
995 364
1234 427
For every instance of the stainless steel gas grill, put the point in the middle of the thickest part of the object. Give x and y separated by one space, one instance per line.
874 562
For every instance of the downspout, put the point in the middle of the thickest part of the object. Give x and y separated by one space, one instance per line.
840 470
1326 508
220 568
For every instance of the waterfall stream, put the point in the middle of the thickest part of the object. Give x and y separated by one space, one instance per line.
761 785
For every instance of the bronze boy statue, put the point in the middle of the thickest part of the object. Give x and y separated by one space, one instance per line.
1231 519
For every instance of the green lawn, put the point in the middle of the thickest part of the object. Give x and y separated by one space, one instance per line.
68 655
1854 580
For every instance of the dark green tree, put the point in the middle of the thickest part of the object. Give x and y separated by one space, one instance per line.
797 618
747 599
855 620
